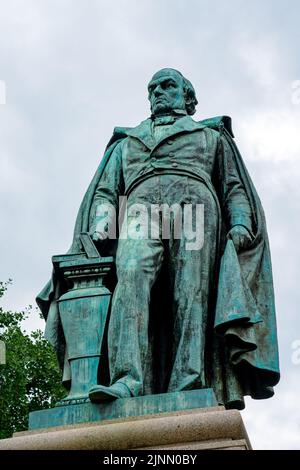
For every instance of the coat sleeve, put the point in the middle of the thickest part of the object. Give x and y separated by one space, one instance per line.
108 190
232 194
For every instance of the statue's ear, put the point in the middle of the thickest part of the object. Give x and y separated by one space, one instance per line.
190 104
190 97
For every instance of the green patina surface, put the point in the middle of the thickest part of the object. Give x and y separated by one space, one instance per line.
122 408
153 317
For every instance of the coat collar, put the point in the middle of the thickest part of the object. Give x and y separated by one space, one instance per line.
143 131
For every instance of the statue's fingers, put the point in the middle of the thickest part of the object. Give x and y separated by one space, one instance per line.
246 240
102 236
242 240
95 236
235 239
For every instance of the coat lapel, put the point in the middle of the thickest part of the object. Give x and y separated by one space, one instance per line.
143 131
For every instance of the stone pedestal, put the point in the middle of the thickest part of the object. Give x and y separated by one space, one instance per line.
87 412
193 429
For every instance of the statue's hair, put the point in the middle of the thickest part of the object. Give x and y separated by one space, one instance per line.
189 93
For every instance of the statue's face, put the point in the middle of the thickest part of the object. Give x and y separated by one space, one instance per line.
166 92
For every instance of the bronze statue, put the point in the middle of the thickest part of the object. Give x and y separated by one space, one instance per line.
183 316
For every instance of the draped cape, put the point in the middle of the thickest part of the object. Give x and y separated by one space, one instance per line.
242 352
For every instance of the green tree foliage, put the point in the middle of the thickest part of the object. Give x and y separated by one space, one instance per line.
30 380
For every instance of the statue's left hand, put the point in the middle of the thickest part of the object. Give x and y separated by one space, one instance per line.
240 236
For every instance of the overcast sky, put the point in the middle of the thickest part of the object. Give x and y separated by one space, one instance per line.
75 69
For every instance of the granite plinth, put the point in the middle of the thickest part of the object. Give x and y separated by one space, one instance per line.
196 429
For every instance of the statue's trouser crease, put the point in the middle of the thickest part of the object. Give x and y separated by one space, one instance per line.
190 273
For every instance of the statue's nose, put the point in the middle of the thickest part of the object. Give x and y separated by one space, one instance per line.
157 90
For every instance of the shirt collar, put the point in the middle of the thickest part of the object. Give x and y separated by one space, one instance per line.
168 118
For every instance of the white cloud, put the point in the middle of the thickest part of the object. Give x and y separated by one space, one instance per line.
74 70
272 135
275 423
261 57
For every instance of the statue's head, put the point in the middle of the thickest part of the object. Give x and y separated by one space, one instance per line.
169 90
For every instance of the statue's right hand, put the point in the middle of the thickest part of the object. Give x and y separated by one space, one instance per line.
99 236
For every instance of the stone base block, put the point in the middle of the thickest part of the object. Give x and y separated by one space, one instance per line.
122 408
197 429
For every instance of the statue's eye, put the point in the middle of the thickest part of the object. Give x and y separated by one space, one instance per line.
170 85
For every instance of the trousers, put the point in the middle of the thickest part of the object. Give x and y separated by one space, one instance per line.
190 274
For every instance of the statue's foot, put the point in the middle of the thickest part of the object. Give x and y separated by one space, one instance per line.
100 393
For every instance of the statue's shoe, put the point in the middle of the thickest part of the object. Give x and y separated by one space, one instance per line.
100 393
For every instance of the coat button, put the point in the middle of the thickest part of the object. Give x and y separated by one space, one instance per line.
171 154
174 165
169 142
153 159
